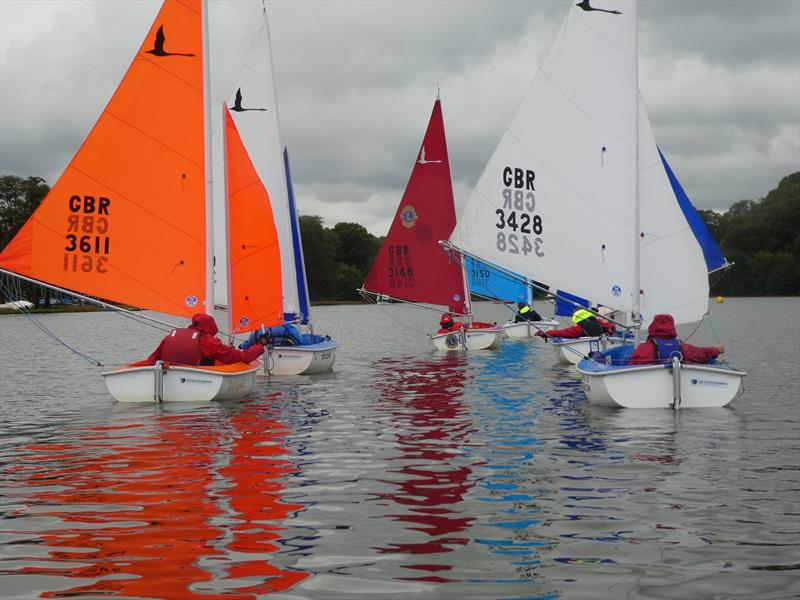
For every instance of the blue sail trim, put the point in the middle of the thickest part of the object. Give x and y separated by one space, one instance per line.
711 251
565 308
297 246
489 282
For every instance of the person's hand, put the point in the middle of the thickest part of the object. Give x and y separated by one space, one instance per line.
541 334
263 340
721 348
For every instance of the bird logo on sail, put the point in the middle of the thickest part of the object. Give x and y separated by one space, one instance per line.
237 103
587 7
422 159
408 216
158 46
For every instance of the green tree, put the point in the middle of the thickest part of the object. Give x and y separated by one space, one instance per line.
319 253
18 199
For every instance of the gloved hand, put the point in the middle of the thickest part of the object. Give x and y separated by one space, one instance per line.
541 334
263 339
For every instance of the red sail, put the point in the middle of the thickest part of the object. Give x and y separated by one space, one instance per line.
411 265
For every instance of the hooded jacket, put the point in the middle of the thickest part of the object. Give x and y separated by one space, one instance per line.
577 331
211 349
663 326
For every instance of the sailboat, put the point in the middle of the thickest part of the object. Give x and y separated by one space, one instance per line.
130 219
411 265
255 113
578 196
493 283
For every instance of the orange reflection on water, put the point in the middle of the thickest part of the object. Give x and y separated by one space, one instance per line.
424 399
134 508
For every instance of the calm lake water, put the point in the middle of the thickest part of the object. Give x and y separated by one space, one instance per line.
405 473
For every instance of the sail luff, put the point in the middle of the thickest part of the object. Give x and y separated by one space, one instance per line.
209 308
635 316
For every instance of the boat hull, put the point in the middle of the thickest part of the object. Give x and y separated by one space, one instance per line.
616 384
180 383
300 360
475 339
526 329
572 351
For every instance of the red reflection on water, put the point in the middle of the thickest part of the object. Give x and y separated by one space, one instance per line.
256 469
138 505
424 399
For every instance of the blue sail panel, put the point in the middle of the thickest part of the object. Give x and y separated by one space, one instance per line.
566 303
297 247
485 280
711 251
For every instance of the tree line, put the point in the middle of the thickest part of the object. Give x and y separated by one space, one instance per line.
761 237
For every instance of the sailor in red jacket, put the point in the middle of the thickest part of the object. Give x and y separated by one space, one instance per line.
662 342
447 324
585 325
196 345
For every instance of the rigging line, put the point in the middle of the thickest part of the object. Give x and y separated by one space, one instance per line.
688 337
50 333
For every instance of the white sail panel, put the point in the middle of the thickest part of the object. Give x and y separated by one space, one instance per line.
254 108
674 277
555 202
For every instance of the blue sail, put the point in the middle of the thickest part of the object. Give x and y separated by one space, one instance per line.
297 246
489 282
711 251
565 308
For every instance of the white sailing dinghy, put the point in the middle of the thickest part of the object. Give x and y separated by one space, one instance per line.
578 196
130 219
254 110
411 265
490 282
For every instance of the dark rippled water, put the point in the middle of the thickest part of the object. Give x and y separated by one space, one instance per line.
405 473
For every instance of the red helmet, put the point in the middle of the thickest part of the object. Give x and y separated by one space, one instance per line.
446 319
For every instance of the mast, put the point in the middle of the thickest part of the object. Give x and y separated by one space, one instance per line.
208 165
637 296
227 196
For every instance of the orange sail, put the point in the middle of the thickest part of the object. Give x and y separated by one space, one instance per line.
126 219
254 273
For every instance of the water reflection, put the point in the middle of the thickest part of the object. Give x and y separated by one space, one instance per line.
173 506
429 475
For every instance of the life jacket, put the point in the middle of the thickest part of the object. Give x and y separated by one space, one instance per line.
182 346
666 348
591 328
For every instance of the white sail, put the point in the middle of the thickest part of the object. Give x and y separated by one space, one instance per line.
674 277
257 121
557 199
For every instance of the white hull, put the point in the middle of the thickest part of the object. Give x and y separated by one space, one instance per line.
525 330
299 360
572 351
652 386
180 383
475 339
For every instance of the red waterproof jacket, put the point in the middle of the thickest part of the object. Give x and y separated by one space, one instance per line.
663 326
456 326
210 347
576 331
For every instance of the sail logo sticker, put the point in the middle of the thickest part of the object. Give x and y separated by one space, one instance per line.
456 297
408 216
191 300
616 291
244 322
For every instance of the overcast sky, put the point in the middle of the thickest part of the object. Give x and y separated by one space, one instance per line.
356 82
